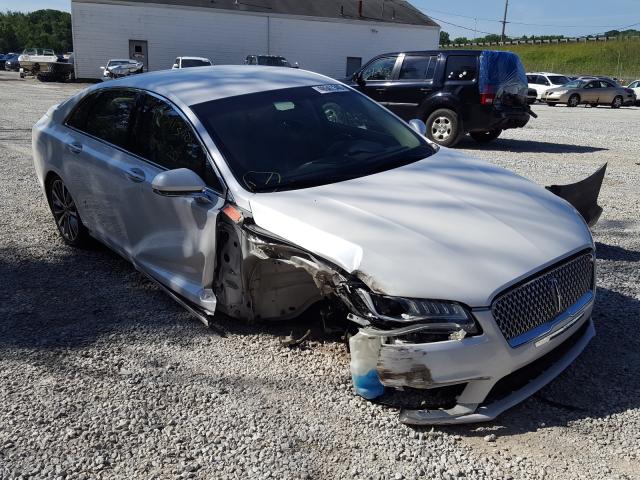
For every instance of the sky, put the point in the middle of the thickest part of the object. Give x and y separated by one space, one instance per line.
561 17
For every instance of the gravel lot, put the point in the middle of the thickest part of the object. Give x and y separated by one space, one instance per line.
103 376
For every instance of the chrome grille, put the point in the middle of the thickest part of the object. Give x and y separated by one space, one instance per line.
544 297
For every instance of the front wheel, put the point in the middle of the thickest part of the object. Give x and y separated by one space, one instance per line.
617 102
486 137
574 100
66 215
443 127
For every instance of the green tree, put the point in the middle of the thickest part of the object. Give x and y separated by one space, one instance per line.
461 40
444 38
39 29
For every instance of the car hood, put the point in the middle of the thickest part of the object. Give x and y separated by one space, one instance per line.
446 227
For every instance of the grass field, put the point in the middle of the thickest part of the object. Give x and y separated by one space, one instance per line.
619 58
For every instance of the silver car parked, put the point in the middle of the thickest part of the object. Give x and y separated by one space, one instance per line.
592 92
258 192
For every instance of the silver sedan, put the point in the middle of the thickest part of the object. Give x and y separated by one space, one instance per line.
258 192
590 92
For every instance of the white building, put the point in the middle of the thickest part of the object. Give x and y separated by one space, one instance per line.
332 37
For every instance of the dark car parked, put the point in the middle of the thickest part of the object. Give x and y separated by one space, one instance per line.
453 91
11 62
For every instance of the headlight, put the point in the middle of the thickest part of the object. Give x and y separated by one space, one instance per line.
441 316
559 92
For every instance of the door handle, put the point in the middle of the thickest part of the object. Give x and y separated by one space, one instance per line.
135 175
74 147
380 89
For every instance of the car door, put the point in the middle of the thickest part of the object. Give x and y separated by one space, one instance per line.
174 238
99 171
413 84
608 92
590 92
374 79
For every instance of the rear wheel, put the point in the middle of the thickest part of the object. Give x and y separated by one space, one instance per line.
574 100
486 137
617 102
65 213
443 127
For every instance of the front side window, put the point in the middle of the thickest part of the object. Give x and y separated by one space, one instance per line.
109 116
461 67
165 138
416 67
307 136
380 69
542 80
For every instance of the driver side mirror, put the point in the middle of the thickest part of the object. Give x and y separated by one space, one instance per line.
102 68
180 182
357 77
418 126
296 65
175 65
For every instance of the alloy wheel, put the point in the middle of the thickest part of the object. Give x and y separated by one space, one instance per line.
64 211
441 128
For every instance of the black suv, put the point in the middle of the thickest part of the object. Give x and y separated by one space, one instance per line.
453 91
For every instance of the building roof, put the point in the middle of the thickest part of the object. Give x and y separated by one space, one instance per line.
190 86
389 11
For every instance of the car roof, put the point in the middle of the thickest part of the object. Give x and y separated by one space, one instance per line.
546 73
122 60
195 58
191 86
433 52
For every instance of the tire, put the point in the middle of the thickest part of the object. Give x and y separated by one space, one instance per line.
617 102
65 214
443 127
574 100
551 104
486 137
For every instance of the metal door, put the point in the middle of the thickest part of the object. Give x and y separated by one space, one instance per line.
138 50
411 85
353 65
173 238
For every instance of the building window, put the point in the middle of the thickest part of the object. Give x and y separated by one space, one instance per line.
353 65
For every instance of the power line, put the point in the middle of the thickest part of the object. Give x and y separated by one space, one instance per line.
461 26
525 23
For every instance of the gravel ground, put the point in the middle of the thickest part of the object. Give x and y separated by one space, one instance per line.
103 376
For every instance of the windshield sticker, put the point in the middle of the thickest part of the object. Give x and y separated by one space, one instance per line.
284 106
330 88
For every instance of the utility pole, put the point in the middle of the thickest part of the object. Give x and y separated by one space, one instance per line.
504 20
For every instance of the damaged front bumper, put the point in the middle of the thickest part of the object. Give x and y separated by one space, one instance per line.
495 376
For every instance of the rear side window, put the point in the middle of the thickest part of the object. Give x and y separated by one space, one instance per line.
461 67
416 67
165 138
380 69
109 116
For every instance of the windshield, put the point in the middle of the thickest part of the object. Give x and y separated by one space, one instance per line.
558 79
115 63
307 136
188 63
273 61
575 84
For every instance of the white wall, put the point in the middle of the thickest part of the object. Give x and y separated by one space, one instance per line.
103 31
